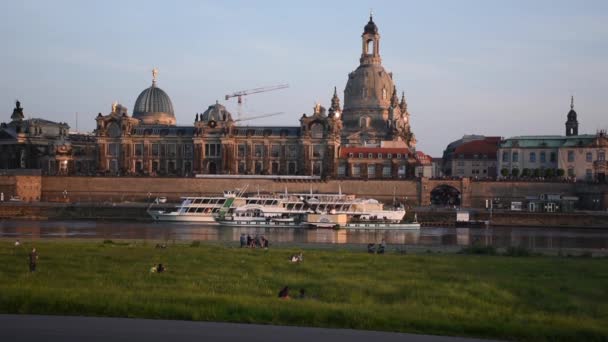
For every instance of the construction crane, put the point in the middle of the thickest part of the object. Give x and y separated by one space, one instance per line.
259 116
239 94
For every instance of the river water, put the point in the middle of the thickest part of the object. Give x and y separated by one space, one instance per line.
532 238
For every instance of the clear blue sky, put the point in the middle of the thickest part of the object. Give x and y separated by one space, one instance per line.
487 67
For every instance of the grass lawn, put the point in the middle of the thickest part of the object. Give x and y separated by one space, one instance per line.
520 298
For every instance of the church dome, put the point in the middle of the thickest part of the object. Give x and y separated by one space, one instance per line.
153 106
216 112
368 87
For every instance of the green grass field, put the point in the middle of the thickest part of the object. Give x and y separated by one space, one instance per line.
525 298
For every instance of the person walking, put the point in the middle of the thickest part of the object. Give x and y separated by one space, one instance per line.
243 240
33 259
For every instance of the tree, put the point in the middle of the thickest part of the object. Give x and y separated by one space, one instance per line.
560 173
536 173
515 173
549 173
504 172
525 172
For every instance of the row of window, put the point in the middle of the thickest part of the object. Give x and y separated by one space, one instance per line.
291 150
601 156
514 157
155 149
375 155
371 171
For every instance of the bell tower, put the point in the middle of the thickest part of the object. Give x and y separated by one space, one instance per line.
572 122
370 39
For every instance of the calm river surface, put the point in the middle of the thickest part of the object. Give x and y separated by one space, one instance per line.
551 238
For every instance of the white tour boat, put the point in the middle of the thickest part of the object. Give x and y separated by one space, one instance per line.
196 209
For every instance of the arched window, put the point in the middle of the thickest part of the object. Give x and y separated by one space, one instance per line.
369 47
384 93
364 122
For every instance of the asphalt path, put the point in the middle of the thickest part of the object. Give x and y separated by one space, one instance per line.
89 329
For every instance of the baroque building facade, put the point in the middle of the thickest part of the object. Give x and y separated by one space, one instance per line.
370 137
579 157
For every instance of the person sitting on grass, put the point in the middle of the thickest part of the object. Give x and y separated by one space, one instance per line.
297 258
370 248
284 293
158 269
302 294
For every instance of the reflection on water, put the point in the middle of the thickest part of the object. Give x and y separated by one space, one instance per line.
553 238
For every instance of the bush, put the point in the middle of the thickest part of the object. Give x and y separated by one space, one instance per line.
549 173
108 242
515 172
560 172
195 243
517 251
536 173
479 249
525 172
504 172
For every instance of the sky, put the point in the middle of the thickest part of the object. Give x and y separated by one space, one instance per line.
499 68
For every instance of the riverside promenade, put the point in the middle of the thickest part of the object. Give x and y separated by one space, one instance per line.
67 328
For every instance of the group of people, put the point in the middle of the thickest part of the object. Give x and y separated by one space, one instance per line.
255 242
284 294
373 249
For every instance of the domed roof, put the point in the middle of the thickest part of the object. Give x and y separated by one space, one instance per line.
371 27
216 112
153 106
368 87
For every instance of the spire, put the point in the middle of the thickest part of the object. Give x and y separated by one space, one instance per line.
572 102
403 104
196 118
394 98
154 76
335 102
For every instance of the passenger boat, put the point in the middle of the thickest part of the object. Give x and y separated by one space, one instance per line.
196 209
298 206
310 210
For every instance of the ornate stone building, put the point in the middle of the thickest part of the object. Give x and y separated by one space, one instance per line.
372 110
576 156
330 142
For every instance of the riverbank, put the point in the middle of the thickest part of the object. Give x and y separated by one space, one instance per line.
523 298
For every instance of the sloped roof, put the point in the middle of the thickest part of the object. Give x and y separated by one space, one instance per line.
484 149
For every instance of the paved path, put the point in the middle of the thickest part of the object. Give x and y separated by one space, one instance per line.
89 329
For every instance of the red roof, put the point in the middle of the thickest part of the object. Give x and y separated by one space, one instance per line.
344 151
487 147
423 158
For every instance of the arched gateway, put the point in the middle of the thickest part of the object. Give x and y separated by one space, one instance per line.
445 195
